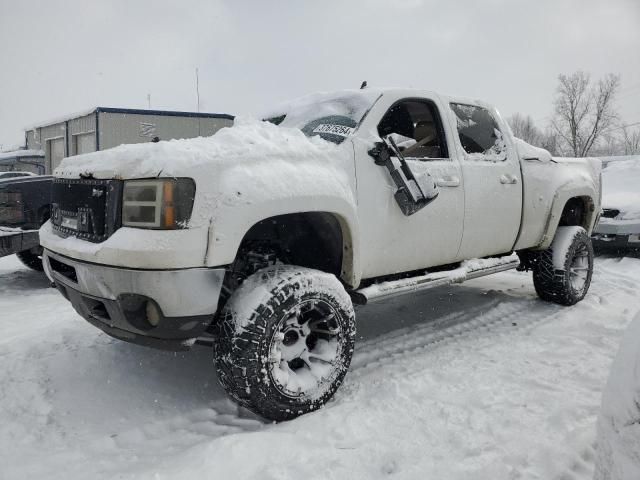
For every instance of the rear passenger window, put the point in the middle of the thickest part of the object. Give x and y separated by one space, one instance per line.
479 133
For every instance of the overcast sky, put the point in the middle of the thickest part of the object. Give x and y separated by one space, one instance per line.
58 57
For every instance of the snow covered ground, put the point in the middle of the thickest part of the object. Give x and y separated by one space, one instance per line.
479 381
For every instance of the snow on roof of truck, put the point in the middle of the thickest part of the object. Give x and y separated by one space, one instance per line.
130 111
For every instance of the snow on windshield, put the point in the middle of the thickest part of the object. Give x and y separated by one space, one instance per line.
333 116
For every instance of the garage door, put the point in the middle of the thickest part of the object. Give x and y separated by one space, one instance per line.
84 143
55 153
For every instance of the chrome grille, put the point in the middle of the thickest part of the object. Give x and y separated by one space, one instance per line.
86 208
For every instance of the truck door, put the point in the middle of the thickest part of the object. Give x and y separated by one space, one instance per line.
391 241
492 179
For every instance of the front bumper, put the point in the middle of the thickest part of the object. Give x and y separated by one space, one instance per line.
118 300
610 241
612 226
614 234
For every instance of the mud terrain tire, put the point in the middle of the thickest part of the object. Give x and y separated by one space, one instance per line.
562 273
285 341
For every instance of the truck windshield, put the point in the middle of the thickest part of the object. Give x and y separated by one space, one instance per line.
332 116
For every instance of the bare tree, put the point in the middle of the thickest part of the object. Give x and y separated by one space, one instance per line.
550 141
525 128
630 141
583 112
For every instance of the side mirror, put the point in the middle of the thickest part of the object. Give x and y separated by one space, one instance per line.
414 193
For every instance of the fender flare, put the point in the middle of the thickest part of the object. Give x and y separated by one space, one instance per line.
560 200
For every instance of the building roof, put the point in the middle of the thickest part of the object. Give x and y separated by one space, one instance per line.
21 153
132 111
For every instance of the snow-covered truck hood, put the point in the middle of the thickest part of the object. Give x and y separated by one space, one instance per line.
621 188
243 164
229 146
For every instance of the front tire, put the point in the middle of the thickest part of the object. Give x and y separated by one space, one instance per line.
285 341
32 258
562 273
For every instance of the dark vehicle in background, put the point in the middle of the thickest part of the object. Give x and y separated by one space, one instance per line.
24 207
7 175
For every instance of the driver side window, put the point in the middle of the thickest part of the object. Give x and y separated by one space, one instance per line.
416 128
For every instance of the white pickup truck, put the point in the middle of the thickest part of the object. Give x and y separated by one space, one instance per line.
260 239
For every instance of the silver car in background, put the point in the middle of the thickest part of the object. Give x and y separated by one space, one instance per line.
619 226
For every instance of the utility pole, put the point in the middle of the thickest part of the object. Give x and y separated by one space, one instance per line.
197 91
198 101
149 100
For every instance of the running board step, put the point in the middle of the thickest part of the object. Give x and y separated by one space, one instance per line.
468 270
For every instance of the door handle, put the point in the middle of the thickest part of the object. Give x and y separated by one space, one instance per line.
508 179
448 181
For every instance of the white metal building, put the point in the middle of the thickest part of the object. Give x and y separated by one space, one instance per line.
102 128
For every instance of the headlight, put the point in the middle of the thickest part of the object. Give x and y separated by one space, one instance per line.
158 203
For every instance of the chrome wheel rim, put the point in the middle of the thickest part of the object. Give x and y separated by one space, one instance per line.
305 350
579 269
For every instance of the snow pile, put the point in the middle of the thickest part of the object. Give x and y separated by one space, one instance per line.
240 166
619 422
478 381
562 243
347 103
526 150
247 139
621 188
258 289
618 158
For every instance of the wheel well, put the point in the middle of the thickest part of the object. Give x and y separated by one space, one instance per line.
576 212
44 213
309 239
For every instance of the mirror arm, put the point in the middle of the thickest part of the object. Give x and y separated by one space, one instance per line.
413 193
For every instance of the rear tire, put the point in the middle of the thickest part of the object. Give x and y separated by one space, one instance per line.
32 258
285 341
562 273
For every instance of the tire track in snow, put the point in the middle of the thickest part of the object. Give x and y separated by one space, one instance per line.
509 315
516 315
472 320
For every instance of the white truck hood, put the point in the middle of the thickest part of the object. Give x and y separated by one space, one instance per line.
232 145
248 163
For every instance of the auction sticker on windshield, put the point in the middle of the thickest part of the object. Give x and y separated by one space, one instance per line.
333 129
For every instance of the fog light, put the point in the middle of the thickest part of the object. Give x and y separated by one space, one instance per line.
153 315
